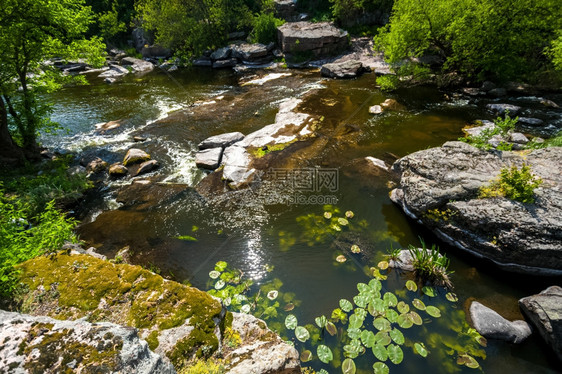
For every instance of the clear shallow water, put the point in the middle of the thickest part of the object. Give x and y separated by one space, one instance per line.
176 112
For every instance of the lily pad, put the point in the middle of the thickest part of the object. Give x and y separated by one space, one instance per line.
341 259
214 274
246 308
361 313
375 284
418 304
288 307
397 336
380 352
403 307
433 311
355 322
272 295
411 286
468 361
404 321
355 249
415 318
306 356
383 265
324 353
378 305
380 368
381 324
291 322
353 349
361 301
348 366
452 297
321 321
429 291
363 288
346 305
221 266
377 274
343 222
327 215
353 333
419 348
302 334
390 299
368 338
331 328
349 214
395 354
383 338
220 284
391 315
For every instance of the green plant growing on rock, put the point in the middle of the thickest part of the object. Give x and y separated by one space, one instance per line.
430 265
502 127
515 184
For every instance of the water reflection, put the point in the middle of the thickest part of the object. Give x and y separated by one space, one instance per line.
255 256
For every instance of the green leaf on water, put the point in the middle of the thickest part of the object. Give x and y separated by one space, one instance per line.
368 338
381 324
415 318
383 338
378 305
411 286
353 349
221 266
390 299
380 352
376 285
291 322
392 315
397 336
321 321
220 284
403 307
302 334
360 312
429 291
377 274
395 354
331 328
324 353
363 288
361 301
348 366
355 321
322 371
186 238
343 222
418 304
380 368
346 305
404 321
468 361
354 333
306 356
433 311
214 274
452 297
419 348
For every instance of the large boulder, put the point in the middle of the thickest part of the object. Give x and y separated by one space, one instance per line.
493 326
250 52
286 9
237 171
317 39
209 158
37 344
343 70
544 311
114 71
439 188
138 65
135 156
221 141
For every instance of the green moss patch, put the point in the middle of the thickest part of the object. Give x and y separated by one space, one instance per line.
83 286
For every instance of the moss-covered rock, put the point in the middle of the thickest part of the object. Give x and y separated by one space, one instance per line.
177 321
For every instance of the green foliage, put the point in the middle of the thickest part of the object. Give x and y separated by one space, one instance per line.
114 19
481 40
210 366
265 28
502 127
348 12
515 184
32 31
23 237
429 265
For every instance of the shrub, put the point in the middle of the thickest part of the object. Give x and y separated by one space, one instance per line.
23 238
430 265
502 126
515 184
265 28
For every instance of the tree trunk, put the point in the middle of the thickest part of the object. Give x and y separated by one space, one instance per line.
10 153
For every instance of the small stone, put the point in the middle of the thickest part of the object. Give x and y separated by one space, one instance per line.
518 137
209 158
376 109
147 167
97 165
549 103
139 139
135 156
343 70
118 170
391 104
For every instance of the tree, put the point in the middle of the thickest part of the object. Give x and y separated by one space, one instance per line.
31 32
494 39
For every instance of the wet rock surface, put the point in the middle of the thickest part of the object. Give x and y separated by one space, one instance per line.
135 156
221 141
343 70
439 188
37 344
544 311
209 158
318 39
493 326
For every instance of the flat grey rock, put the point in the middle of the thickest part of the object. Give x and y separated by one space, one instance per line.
503 108
209 158
222 140
343 70
493 326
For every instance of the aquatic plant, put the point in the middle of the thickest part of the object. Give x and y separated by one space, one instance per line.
502 127
430 265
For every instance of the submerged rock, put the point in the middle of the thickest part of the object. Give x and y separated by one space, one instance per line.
343 70
439 188
43 345
493 326
147 167
376 109
502 109
114 71
545 313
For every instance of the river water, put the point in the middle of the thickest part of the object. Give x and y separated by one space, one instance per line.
282 241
